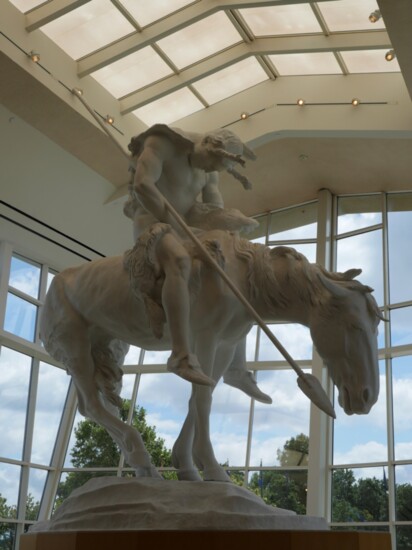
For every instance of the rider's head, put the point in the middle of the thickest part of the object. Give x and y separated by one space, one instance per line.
221 150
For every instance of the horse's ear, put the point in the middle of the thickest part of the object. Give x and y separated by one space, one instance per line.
351 274
335 289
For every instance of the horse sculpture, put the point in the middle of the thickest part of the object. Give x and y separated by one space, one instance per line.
92 311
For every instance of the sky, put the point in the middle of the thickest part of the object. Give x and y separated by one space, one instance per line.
357 439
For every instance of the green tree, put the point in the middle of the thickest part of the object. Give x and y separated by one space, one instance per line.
95 448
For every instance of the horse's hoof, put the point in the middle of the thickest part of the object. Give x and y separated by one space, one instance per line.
189 369
189 475
149 471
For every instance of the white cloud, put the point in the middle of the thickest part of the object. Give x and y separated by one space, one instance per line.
370 451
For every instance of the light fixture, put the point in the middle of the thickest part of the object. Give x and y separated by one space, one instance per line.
375 16
109 119
34 56
77 91
390 55
355 101
300 102
244 115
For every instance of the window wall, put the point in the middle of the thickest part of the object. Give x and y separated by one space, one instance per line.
357 471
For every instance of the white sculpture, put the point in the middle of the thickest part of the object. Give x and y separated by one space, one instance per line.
173 167
92 310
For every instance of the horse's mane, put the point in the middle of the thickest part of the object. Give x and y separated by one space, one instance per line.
304 278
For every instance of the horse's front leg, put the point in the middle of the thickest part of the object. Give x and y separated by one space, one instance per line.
182 458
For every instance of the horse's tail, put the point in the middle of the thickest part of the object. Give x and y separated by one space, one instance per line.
108 357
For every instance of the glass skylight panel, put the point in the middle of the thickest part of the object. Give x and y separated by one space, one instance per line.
88 28
200 40
230 81
306 63
145 11
132 72
350 15
369 61
26 5
277 20
169 108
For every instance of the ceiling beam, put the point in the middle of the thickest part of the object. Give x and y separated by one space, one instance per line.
398 21
168 25
50 11
260 46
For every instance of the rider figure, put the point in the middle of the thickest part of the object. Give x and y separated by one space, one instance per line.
180 166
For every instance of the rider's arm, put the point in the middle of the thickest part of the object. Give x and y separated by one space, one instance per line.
149 168
210 192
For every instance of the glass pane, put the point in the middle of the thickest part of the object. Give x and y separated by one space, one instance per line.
259 234
401 326
229 424
350 15
128 385
25 276
360 494
369 61
37 479
306 63
26 5
364 251
50 277
403 487
358 212
20 317
68 461
282 489
88 28
132 72
295 338
14 389
277 20
49 409
196 41
165 399
362 438
227 82
7 535
403 537
282 426
400 251
146 12
132 357
9 483
170 108
402 411
294 223
251 344
156 357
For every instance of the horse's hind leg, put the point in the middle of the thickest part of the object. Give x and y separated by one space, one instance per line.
80 364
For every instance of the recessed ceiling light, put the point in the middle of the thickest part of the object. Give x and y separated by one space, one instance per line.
390 55
375 16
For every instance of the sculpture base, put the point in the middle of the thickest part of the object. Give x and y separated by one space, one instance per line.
205 540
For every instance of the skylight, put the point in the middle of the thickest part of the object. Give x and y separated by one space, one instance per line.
306 63
230 81
369 61
278 20
350 15
148 11
196 41
132 72
88 28
172 107
26 5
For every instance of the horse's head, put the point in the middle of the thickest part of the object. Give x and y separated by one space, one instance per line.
344 331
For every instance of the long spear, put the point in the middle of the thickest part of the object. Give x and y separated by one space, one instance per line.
308 383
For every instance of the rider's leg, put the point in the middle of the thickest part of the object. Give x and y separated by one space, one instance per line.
239 377
176 265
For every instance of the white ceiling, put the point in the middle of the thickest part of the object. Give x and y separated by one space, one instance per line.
221 59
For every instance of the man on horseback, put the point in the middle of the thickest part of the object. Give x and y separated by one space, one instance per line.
172 164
